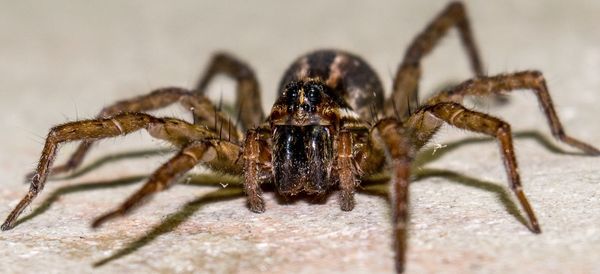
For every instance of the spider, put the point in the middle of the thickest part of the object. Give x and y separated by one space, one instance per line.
329 128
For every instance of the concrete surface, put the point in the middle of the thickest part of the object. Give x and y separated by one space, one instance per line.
65 60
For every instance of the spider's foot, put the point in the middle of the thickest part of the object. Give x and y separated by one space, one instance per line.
535 228
7 225
102 219
256 204
399 267
586 148
592 151
346 200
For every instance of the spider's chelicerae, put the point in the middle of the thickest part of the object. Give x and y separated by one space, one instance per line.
329 128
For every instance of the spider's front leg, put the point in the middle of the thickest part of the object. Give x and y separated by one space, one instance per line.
401 153
173 130
531 80
347 172
257 159
203 110
248 101
156 99
458 116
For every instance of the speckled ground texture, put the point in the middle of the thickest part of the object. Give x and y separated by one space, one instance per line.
65 60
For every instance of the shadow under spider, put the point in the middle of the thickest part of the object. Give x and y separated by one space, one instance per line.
503 196
432 154
229 188
45 205
375 185
207 179
113 158
173 221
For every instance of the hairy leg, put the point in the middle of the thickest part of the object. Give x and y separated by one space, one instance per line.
170 172
204 111
405 87
154 100
257 159
248 103
402 154
531 80
175 131
209 115
456 115
347 172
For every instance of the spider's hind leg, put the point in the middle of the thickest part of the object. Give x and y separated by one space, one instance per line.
173 130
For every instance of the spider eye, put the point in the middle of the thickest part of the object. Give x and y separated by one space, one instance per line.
291 90
313 94
291 95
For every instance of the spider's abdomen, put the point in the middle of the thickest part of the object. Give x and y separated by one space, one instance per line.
348 76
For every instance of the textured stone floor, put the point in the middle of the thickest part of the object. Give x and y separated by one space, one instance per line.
65 60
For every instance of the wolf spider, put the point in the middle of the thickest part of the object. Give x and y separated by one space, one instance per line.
323 130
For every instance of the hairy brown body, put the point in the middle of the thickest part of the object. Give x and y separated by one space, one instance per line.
328 128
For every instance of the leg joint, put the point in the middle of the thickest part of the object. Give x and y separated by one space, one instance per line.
503 129
535 78
456 7
537 75
52 133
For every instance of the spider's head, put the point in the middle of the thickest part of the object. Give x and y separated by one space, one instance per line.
302 103
302 121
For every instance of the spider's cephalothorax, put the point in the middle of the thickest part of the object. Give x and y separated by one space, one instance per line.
315 107
329 127
302 142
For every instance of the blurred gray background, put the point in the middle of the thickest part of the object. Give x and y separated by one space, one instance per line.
64 60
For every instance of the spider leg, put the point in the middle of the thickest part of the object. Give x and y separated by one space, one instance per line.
155 99
458 116
173 130
204 111
347 172
207 114
248 101
257 166
169 172
401 154
532 80
405 86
